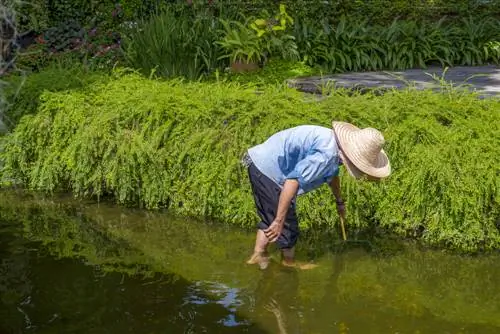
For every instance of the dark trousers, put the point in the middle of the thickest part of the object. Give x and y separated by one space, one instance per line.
266 195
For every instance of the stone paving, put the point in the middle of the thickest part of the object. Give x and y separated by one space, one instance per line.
483 79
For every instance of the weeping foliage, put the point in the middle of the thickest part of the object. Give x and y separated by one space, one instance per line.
178 145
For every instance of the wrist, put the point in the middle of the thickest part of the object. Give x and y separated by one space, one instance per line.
279 220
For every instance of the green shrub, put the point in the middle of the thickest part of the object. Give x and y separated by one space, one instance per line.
275 72
23 92
376 12
42 14
178 145
186 40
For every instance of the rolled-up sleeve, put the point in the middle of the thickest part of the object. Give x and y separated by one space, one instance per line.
310 170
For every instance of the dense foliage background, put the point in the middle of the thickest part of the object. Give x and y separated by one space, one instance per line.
190 39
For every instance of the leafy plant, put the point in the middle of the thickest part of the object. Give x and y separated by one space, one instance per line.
268 26
358 46
240 43
53 78
259 39
178 145
276 72
177 45
8 35
65 36
273 31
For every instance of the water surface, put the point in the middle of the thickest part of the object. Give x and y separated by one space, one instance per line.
70 267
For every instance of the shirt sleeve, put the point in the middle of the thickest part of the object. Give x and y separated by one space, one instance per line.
310 169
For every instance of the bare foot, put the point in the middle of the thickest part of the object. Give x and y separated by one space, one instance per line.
261 259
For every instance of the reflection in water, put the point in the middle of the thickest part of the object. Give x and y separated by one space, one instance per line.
220 294
277 294
101 269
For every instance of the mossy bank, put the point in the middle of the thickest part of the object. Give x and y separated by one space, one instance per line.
178 145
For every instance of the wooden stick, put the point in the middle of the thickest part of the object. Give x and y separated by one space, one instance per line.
342 225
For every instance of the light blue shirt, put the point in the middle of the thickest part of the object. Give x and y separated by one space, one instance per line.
308 153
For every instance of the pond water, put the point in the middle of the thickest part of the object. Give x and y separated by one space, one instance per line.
69 267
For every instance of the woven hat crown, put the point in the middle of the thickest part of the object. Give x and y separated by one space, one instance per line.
363 149
370 142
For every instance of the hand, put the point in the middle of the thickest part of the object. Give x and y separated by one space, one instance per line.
273 231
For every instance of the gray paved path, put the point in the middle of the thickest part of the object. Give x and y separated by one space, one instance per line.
483 79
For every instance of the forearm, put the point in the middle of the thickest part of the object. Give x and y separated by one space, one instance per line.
288 192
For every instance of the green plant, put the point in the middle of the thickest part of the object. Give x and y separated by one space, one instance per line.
33 58
276 72
268 26
23 92
359 46
177 45
471 39
240 43
65 36
273 32
178 145
8 35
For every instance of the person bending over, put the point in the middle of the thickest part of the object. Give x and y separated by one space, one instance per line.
297 160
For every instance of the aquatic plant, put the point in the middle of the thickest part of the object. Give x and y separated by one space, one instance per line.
178 145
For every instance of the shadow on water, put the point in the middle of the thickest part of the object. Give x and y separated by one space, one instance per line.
75 267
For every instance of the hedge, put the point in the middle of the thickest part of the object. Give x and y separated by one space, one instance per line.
178 145
39 14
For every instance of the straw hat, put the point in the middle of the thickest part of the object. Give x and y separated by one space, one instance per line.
362 150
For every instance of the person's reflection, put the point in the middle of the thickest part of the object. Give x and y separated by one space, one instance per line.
277 293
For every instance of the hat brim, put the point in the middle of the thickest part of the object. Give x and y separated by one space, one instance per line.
354 162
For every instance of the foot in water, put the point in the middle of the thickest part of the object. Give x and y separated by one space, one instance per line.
262 259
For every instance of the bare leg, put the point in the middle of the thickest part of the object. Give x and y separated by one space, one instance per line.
260 254
288 256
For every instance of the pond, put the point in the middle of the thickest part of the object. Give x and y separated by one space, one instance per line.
75 267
